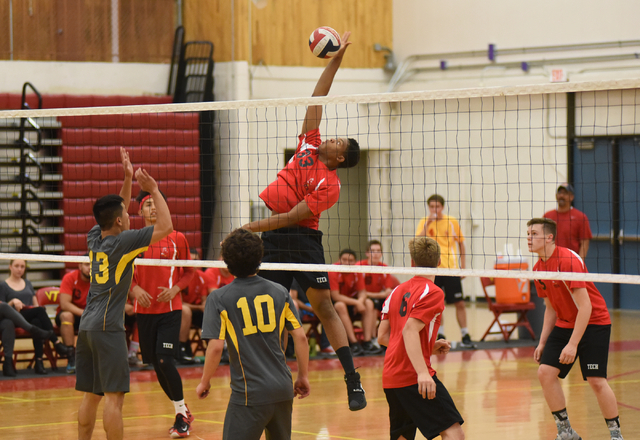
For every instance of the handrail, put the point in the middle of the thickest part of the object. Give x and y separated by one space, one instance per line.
40 203
35 162
405 65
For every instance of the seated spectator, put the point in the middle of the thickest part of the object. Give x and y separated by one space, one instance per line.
194 298
9 320
73 299
303 305
217 277
351 301
18 292
378 286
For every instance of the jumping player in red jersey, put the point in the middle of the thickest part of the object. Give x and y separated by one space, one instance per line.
158 305
409 328
307 186
576 324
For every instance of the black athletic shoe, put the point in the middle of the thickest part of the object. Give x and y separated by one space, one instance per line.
180 428
370 349
355 392
466 342
441 336
356 349
39 367
184 358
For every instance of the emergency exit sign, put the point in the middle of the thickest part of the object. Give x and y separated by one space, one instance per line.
558 75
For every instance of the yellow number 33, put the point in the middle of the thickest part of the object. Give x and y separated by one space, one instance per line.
100 276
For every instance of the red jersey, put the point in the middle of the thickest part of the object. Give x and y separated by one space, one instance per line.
304 178
376 282
73 284
417 298
196 290
560 292
215 279
150 278
573 226
345 283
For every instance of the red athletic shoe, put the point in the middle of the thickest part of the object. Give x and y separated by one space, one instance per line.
180 428
190 417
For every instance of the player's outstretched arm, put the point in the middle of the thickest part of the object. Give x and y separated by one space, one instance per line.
299 212
301 387
125 192
211 362
314 112
163 226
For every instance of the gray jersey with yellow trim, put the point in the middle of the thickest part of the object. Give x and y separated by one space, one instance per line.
112 260
251 314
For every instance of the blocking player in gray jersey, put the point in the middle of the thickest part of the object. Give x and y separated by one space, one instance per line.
251 313
101 355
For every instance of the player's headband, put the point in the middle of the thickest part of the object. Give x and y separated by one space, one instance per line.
144 199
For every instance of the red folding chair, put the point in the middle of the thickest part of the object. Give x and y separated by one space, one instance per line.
498 309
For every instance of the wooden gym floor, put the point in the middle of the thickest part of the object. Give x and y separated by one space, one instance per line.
496 391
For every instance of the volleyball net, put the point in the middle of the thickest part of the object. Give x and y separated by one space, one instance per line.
496 156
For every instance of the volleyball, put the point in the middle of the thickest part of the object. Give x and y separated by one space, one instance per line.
324 42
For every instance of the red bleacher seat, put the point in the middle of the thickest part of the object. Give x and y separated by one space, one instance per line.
137 154
119 136
81 207
112 171
96 189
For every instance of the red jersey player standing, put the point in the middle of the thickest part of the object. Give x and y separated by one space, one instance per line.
409 328
307 186
158 304
576 325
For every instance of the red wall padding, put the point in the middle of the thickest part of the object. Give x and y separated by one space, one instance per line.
176 121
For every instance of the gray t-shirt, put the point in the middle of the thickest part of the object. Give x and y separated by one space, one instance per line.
251 314
112 261
25 295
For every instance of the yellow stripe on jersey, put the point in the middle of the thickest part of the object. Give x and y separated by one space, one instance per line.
226 322
126 258
291 317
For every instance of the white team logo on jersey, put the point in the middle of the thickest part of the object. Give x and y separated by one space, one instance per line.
167 345
321 279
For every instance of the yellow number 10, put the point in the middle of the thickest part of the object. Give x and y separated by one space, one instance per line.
249 327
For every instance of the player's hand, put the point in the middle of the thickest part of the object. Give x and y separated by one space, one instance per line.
143 297
537 354
426 386
146 182
301 387
568 354
247 227
442 346
344 43
359 305
167 294
202 390
126 163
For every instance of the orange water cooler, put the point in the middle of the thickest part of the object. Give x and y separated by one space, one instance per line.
512 290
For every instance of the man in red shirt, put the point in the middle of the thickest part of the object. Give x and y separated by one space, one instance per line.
350 300
576 324
158 304
194 298
574 231
306 186
73 299
409 328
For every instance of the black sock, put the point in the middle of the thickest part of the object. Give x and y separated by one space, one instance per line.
562 420
344 355
613 424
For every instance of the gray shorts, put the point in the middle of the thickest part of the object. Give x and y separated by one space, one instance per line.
101 362
248 422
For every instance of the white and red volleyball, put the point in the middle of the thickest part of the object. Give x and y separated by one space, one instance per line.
324 42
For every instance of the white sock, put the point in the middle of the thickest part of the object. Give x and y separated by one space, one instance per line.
464 331
133 348
180 407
